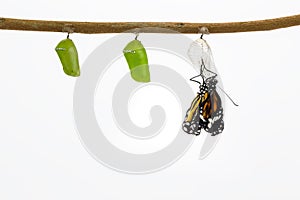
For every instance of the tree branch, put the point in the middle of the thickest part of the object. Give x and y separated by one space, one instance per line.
118 27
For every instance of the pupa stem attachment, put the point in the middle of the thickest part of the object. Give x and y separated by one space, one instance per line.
203 30
68 28
137 33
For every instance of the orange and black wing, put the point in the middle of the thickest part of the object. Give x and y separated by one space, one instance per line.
212 113
206 113
192 123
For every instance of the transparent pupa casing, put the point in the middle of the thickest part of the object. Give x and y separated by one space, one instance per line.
200 54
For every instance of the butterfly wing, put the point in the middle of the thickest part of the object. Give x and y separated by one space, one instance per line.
212 112
193 122
190 124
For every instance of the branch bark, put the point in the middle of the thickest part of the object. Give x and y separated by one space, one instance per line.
118 27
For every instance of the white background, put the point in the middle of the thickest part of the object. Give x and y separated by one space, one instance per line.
41 156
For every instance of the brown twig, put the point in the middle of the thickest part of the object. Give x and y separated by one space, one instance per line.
118 27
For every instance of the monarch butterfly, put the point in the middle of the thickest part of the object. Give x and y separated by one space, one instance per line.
137 60
206 111
68 56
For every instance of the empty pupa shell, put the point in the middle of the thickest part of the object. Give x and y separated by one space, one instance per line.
137 60
68 56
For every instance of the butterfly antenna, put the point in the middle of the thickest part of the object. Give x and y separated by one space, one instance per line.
228 96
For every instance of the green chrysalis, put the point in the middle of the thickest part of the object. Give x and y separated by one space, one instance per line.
137 60
68 56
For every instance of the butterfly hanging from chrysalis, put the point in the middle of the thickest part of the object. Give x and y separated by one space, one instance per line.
206 110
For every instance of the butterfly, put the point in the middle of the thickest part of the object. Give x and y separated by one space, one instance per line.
206 111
